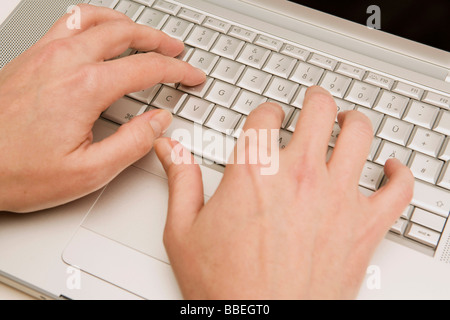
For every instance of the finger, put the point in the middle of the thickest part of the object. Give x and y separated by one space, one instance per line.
352 146
110 39
143 71
129 144
186 197
392 199
314 126
81 18
260 131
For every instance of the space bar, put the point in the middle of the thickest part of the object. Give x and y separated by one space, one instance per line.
203 142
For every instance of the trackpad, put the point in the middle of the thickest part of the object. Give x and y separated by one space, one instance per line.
132 211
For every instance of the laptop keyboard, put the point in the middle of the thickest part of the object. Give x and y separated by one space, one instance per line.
246 68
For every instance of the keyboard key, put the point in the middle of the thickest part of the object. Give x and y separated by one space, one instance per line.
407 212
350 71
196 110
169 99
247 102
104 3
198 91
167 7
444 179
288 111
371 176
192 16
124 110
399 226
217 25
285 138
374 116
280 65
222 93
203 60
293 124
228 47
425 168
254 80
129 8
269 43
177 28
211 145
388 150
442 124
395 130
223 120
307 75
426 141
254 56
408 90
242 34
391 104
281 90
379 80
374 148
437 100
153 18
202 38
322 61
147 95
431 198
299 98
334 135
428 219
421 114
444 154
362 93
335 83
228 71
295 52
423 235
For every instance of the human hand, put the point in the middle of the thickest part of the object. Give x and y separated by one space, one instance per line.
305 232
51 96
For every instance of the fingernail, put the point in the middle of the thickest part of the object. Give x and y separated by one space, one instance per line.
160 122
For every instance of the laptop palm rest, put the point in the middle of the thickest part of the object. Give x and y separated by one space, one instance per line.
121 239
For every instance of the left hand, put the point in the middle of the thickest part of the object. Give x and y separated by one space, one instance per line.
51 96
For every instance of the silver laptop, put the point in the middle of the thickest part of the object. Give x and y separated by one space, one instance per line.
108 245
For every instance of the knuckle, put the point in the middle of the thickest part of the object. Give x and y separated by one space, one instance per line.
55 49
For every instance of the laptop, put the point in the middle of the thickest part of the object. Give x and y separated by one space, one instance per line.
108 245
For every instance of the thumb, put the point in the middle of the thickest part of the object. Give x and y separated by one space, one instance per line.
186 197
130 143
